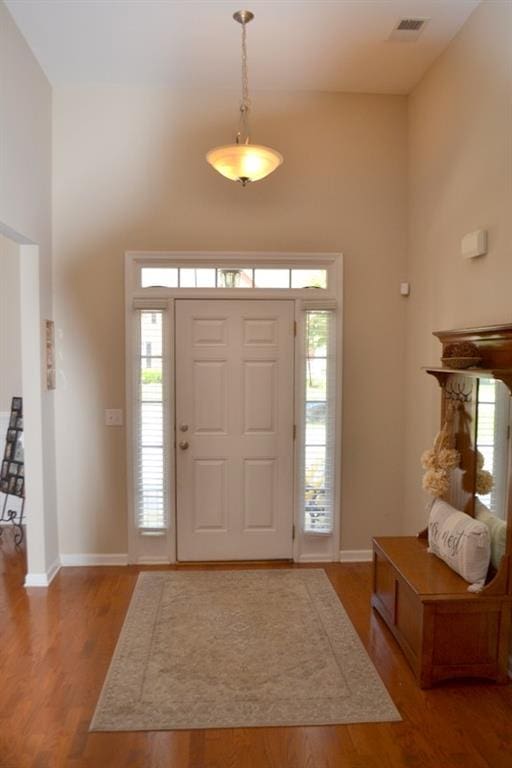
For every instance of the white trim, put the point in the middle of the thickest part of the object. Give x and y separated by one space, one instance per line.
356 556
153 560
68 561
306 548
314 547
154 303
43 579
328 303
32 391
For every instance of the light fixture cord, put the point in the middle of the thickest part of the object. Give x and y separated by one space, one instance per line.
243 128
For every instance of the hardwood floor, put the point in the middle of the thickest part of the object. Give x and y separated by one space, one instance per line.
56 646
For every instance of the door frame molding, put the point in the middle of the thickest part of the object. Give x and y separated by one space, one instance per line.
161 548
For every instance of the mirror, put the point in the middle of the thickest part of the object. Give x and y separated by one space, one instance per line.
492 446
492 442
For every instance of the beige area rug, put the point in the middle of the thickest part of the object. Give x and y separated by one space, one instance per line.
228 649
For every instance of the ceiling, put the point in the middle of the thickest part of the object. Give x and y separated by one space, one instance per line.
323 45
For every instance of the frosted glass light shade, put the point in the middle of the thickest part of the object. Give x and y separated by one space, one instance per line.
244 162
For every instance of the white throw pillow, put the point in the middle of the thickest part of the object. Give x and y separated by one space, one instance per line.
461 541
497 531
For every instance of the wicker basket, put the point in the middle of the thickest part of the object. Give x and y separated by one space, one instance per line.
461 362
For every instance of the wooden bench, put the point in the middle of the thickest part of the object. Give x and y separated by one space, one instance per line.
444 630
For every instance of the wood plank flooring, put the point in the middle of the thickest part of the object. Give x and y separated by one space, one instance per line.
56 645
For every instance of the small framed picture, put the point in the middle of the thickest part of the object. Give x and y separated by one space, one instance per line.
13 468
14 419
21 471
19 422
12 485
4 486
11 435
19 486
16 404
8 450
5 468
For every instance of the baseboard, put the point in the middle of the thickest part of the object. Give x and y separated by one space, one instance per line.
155 560
356 556
316 559
43 579
93 559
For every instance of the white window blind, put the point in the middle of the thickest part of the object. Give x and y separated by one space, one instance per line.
319 421
151 449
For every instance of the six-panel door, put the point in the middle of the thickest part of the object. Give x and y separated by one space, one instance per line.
234 429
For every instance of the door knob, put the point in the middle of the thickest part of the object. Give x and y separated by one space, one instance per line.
183 427
183 444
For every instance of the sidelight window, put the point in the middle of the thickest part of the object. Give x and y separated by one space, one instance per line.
150 485
319 422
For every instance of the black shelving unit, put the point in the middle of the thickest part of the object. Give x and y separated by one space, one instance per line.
12 472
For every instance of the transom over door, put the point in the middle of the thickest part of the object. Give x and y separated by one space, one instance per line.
234 429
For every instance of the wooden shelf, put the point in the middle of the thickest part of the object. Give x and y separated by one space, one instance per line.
442 373
477 373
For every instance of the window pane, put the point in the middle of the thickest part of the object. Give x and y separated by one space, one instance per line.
316 378
309 278
159 277
316 426
315 489
486 391
234 277
151 424
317 331
151 379
271 278
150 479
151 493
197 278
150 335
319 423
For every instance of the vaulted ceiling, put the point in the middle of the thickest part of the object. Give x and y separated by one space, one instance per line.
325 45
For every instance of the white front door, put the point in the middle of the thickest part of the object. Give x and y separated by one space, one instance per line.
234 429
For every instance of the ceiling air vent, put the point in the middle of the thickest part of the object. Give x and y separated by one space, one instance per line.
411 25
408 30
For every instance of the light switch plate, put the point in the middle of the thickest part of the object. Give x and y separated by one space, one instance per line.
114 417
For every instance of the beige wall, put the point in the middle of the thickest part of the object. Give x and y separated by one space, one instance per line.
25 213
10 331
460 179
129 173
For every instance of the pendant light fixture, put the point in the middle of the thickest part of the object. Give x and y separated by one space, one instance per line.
243 161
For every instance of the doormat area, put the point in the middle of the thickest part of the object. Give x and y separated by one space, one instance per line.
228 649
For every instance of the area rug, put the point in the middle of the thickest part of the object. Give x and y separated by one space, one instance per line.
228 649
